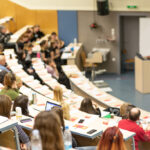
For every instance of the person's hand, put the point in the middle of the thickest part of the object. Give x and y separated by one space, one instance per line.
30 70
23 147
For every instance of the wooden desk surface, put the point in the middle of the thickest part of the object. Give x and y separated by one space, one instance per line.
7 125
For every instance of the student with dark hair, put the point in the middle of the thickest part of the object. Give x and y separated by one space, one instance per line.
2 75
27 58
10 88
131 125
5 109
52 68
45 53
4 35
87 106
22 102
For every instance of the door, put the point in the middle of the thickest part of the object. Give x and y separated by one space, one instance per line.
129 33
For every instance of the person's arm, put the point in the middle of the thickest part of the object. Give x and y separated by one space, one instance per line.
52 54
55 70
142 135
57 54
43 55
22 135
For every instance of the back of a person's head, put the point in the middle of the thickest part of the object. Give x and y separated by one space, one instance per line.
5 106
1 28
1 47
43 43
28 45
86 106
124 110
112 139
48 61
9 80
66 110
134 114
22 102
54 33
2 75
49 126
59 112
58 94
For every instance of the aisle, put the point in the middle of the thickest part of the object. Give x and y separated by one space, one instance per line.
123 88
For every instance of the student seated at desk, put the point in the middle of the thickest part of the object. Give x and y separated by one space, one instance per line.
59 112
23 103
37 33
1 49
10 88
4 35
5 109
29 33
27 58
3 65
52 68
58 96
124 110
131 125
49 126
55 38
45 53
22 41
112 139
87 106
55 53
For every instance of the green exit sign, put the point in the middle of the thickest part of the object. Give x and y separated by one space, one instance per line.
131 6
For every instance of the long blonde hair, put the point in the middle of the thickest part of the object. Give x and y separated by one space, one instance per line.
48 123
58 96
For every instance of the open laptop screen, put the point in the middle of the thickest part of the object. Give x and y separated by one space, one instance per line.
50 105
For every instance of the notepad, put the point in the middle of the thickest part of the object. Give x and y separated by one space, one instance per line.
3 119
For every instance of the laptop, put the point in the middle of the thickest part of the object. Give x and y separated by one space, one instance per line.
50 105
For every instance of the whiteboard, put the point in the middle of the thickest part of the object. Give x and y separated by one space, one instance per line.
144 37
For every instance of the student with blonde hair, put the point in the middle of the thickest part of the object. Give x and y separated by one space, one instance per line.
58 96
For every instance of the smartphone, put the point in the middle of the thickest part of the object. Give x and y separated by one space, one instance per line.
81 121
25 120
91 131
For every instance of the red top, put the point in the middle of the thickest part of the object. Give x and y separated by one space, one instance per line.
133 127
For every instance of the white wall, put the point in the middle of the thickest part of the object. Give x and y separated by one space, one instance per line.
115 5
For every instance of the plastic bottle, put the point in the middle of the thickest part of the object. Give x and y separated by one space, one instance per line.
34 98
36 143
67 139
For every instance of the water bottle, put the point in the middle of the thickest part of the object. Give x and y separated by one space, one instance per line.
34 98
36 143
67 139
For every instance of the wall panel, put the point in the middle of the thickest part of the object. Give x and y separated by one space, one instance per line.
23 16
68 27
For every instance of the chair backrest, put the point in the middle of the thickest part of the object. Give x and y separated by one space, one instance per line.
7 139
144 145
97 57
83 58
129 144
